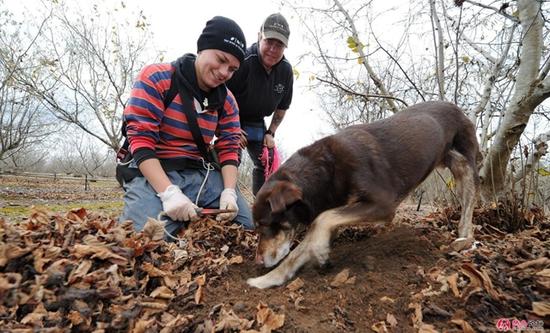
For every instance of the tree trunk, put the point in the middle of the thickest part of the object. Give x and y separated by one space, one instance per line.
494 170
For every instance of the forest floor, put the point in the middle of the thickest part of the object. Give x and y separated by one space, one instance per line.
65 264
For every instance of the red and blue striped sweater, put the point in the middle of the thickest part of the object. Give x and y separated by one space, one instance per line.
164 133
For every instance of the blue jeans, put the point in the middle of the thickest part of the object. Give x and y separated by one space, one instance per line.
141 200
254 148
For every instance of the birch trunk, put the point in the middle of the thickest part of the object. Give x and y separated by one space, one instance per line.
526 97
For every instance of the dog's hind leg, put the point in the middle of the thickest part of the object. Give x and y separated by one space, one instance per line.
464 173
316 243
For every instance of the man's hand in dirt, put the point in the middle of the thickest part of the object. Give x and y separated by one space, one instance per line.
177 205
228 200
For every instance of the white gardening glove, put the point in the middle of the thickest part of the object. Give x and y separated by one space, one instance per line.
228 200
176 205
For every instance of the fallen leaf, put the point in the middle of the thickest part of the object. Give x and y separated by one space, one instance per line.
543 261
201 280
387 299
480 278
162 292
541 309
154 229
453 283
417 314
101 252
379 327
9 281
543 278
153 271
77 214
81 271
75 317
295 285
143 325
390 319
228 321
198 295
236 260
36 316
158 305
268 319
340 278
10 251
466 328
351 280
425 328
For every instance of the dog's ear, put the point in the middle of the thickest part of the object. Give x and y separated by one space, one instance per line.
283 194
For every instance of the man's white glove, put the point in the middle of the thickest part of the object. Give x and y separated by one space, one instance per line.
177 205
228 200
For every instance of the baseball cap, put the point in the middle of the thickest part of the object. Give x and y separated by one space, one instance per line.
275 26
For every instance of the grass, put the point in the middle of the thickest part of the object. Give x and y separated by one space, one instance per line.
19 194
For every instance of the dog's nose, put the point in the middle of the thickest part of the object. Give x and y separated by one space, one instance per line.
259 259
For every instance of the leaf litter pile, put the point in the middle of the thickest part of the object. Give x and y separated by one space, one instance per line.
82 271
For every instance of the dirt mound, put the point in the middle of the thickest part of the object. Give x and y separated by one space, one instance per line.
84 272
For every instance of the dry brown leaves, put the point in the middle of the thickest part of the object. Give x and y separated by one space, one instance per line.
86 272
508 271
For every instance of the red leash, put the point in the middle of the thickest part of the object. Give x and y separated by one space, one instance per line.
270 160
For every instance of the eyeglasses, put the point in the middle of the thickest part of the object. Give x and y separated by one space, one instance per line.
274 44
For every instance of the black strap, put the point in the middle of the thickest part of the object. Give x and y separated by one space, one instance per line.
170 94
191 114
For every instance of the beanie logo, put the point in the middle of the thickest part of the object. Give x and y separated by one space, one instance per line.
236 42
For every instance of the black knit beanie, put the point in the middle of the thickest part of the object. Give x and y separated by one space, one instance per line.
223 34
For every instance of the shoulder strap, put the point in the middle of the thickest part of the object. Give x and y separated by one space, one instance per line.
171 93
189 110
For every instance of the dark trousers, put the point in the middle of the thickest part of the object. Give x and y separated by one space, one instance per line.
254 150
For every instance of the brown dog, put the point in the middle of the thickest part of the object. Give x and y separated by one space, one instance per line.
358 175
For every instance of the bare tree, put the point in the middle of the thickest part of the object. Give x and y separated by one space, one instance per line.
350 82
532 87
87 64
24 124
491 61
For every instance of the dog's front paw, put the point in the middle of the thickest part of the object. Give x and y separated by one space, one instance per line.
321 252
264 281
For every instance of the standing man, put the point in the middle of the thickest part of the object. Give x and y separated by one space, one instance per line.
263 86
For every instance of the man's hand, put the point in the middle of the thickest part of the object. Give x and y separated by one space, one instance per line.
243 139
228 200
177 205
269 141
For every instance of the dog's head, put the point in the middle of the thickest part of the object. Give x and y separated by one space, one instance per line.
277 211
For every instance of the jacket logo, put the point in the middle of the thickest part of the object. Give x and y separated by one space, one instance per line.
279 88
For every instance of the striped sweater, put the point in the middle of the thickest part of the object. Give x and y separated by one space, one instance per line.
154 132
